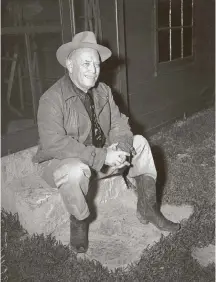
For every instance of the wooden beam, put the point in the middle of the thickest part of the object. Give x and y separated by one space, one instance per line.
31 74
20 86
66 9
30 29
121 50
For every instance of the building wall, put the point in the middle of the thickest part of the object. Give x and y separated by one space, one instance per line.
155 99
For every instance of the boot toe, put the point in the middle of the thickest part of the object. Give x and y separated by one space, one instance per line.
79 246
162 223
78 249
177 227
81 249
170 227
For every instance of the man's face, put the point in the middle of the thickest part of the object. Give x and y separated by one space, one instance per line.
84 68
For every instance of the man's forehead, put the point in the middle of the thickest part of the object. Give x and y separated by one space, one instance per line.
87 54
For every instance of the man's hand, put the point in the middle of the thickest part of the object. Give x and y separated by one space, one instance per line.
116 158
126 148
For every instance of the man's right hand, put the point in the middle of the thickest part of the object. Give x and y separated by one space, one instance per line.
116 158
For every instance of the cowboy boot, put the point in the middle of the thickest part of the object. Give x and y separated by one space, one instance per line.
78 234
147 207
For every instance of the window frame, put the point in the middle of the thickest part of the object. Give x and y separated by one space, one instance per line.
176 64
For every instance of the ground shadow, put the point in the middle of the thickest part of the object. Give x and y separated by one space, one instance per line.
90 198
161 167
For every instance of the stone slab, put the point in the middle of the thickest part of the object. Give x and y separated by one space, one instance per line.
204 256
39 206
18 165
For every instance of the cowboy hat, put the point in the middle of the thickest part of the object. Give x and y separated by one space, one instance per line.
85 39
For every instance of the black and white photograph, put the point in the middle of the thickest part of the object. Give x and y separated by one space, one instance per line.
108 140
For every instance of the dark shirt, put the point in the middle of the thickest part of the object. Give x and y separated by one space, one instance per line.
96 136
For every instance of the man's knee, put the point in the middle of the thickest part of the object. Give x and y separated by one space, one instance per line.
71 170
139 142
78 171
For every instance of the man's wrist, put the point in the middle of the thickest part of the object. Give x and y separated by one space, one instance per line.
124 147
100 157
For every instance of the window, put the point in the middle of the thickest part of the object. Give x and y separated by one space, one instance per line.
174 30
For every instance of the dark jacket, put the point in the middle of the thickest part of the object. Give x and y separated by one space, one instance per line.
64 124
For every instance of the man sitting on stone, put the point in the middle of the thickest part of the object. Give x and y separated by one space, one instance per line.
81 131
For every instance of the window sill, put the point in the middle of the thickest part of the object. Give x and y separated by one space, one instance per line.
175 65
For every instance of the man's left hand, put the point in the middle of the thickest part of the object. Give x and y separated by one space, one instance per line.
127 148
123 157
126 160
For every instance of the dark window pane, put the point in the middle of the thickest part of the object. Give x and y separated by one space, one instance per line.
176 43
187 42
187 12
176 13
163 13
163 45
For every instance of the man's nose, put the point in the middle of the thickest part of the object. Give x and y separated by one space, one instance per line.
92 68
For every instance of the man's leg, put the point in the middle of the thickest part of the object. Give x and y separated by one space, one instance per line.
144 171
71 177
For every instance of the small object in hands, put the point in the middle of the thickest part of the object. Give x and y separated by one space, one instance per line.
133 152
123 158
129 159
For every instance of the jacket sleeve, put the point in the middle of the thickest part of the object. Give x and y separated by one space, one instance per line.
56 143
120 131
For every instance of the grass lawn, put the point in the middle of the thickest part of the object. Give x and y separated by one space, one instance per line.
184 155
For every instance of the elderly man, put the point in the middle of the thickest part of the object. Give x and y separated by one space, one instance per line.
82 131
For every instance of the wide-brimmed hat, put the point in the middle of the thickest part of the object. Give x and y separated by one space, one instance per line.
84 39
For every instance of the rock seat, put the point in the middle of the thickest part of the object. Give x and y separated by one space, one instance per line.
38 205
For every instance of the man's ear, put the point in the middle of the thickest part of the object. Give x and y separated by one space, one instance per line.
69 65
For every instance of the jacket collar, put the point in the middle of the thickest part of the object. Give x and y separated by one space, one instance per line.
69 89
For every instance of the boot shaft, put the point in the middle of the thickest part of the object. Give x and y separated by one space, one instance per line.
146 189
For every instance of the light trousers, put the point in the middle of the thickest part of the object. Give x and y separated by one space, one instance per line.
71 176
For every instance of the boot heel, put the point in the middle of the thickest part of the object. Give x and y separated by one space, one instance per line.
141 219
144 221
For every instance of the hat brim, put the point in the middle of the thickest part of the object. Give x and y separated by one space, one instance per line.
65 49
